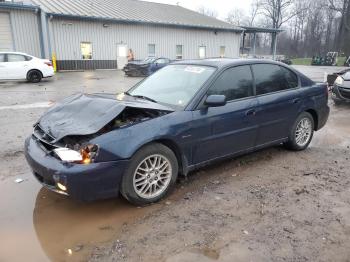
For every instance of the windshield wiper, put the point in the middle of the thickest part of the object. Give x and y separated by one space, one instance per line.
142 97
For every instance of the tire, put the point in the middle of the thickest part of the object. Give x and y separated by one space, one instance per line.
138 181
296 143
336 102
34 76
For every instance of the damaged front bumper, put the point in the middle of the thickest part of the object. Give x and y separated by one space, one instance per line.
340 94
82 182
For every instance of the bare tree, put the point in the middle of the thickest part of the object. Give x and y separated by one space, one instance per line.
343 37
208 11
254 11
236 17
278 11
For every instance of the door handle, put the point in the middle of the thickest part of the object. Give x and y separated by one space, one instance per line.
296 100
250 112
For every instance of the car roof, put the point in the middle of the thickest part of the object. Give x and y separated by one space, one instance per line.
12 52
224 62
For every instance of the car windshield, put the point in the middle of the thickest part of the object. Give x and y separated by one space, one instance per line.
149 59
174 84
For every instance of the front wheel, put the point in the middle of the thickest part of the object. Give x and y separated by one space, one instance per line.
151 175
301 133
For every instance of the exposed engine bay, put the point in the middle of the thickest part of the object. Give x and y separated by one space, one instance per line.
129 116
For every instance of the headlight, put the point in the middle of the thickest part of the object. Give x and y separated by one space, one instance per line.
85 155
88 153
339 81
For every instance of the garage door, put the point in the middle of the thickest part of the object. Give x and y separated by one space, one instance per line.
6 42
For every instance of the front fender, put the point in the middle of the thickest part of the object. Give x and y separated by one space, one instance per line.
124 142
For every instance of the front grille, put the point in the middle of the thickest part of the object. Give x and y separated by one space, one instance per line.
344 92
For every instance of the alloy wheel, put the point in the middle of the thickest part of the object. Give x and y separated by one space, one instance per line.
303 132
152 176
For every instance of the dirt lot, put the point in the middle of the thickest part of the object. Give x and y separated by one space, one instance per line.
273 205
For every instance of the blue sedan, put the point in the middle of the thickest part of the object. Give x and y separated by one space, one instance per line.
145 67
186 115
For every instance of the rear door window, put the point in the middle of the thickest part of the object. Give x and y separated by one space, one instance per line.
15 58
269 78
234 83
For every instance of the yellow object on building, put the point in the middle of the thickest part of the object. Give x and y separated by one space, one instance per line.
54 62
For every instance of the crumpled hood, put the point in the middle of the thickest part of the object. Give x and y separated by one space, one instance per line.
86 114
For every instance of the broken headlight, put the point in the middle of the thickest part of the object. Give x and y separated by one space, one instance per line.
85 155
88 153
339 81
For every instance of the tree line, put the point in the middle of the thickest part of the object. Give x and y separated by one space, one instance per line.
311 27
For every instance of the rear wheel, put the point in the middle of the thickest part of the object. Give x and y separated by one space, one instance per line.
301 133
151 174
34 76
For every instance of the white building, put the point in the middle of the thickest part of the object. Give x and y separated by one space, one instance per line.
87 34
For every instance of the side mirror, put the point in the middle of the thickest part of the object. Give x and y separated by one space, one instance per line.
215 100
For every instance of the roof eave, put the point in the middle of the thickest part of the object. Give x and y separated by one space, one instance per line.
125 21
4 5
253 29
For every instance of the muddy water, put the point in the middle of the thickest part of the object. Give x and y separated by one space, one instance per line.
337 130
38 225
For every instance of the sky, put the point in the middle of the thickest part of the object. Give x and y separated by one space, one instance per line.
221 6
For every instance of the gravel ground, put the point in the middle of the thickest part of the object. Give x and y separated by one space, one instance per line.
272 205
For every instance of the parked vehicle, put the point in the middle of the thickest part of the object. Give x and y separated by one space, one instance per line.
284 60
332 77
330 59
21 66
341 88
145 67
347 61
182 117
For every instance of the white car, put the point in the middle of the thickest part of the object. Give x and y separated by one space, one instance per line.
21 66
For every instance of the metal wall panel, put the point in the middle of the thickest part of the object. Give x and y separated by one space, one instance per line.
6 41
26 32
67 35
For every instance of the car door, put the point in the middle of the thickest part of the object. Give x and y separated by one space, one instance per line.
3 72
17 66
278 101
228 129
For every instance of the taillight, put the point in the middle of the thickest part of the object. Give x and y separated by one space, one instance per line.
48 63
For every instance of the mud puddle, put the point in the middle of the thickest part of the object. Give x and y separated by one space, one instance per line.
337 130
39 225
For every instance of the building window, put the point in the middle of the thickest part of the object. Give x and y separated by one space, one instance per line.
222 51
86 50
151 50
178 51
202 52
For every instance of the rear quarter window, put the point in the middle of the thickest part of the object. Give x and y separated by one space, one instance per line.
305 81
291 77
